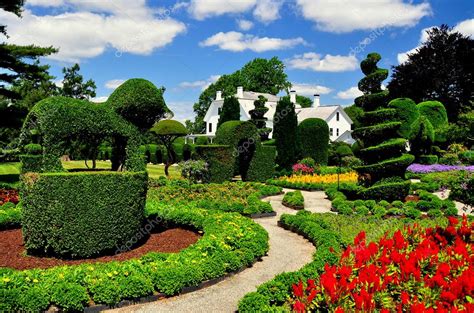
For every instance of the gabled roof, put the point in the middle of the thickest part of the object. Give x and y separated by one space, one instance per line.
322 112
250 95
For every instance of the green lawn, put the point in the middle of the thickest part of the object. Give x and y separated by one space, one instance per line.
154 171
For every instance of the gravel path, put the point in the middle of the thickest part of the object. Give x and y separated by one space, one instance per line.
288 252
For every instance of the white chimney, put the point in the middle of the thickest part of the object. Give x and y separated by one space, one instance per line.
316 101
219 95
293 96
240 92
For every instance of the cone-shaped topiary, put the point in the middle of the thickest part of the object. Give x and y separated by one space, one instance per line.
230 111
285 124
382 149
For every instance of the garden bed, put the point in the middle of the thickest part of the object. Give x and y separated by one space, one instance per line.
13 254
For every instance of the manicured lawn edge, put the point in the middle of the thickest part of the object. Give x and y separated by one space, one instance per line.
230 242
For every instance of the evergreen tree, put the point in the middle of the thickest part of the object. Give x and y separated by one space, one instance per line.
257 117
74 85
285 124
382 148
230 111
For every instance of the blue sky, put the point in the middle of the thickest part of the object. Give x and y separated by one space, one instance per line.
186 44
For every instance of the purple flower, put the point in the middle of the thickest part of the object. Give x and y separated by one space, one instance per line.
423 169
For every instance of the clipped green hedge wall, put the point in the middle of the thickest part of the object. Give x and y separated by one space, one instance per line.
388 167
262 165
81 214
386 191
220 161
313 140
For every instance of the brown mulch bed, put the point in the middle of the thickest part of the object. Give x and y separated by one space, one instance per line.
13 254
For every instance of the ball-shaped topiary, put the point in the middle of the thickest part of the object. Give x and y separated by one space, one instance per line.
140 102
436 113
313 140
407 113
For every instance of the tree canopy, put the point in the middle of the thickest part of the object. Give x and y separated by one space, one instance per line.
74 85
441 69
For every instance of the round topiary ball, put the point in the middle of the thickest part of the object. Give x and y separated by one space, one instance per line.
140 102
169 128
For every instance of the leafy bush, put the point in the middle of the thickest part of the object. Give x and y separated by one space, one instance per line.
313 139
412 213
462 189
262 165
219 160
92 213
449 159
195 171
436 113
390 191
407 113
467 157
294 200
428 159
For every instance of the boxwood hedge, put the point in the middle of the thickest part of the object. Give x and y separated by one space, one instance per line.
75 214
230 242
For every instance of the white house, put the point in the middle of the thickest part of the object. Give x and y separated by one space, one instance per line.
338 121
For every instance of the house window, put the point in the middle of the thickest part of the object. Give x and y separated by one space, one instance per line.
331 132
210 127
337 116
337 131
219 110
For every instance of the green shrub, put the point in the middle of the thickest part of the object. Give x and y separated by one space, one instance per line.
397 204
435 112
387 191
90 212
407 113
69 296
379 210
33 148
467 157
395 211
285 124
31 163
413 213
362 210
139 101
461 189
294 200
313 140
449 159
33 299
230 111
262 166
434 213
451 212
345 209
425 206
220 162
195 171
428 159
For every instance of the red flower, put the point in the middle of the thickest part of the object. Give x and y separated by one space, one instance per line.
404 297
298 289
298 306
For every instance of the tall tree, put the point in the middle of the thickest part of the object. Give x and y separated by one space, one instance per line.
285 124
74 85
441 69
303 101
259 75
230 111
257 117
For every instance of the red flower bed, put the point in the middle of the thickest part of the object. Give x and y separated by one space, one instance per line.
8 195
415 270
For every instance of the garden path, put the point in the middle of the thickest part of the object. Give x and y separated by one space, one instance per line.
288 252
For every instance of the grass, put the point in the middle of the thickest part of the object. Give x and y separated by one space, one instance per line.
154 171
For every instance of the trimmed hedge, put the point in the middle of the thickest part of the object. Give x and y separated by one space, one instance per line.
436 113
31 163
428 159
379 152
230 242
262 165
388 168
220 161
81 214
379 116
407 113
386 191
313 140
294 200
378 133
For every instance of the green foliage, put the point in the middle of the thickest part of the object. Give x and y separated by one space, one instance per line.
294 200
462 189
257 117
262 165
230 111
428 159
285 125
220 162
195 171
74 85
10 216
435 112
139 102
423 137
303 101
440 69
449 159
389 191
407 114
313 139
90 212
356 114
234 132
230 242
31 163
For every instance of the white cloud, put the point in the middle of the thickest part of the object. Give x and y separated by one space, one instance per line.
310 89
183 110
202 84
267 11
244 24
114 83
263 10
328 63
85 32
99 99
465 27
341 16
237 42
350 93
45 3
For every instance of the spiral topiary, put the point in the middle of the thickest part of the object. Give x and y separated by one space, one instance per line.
382 149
